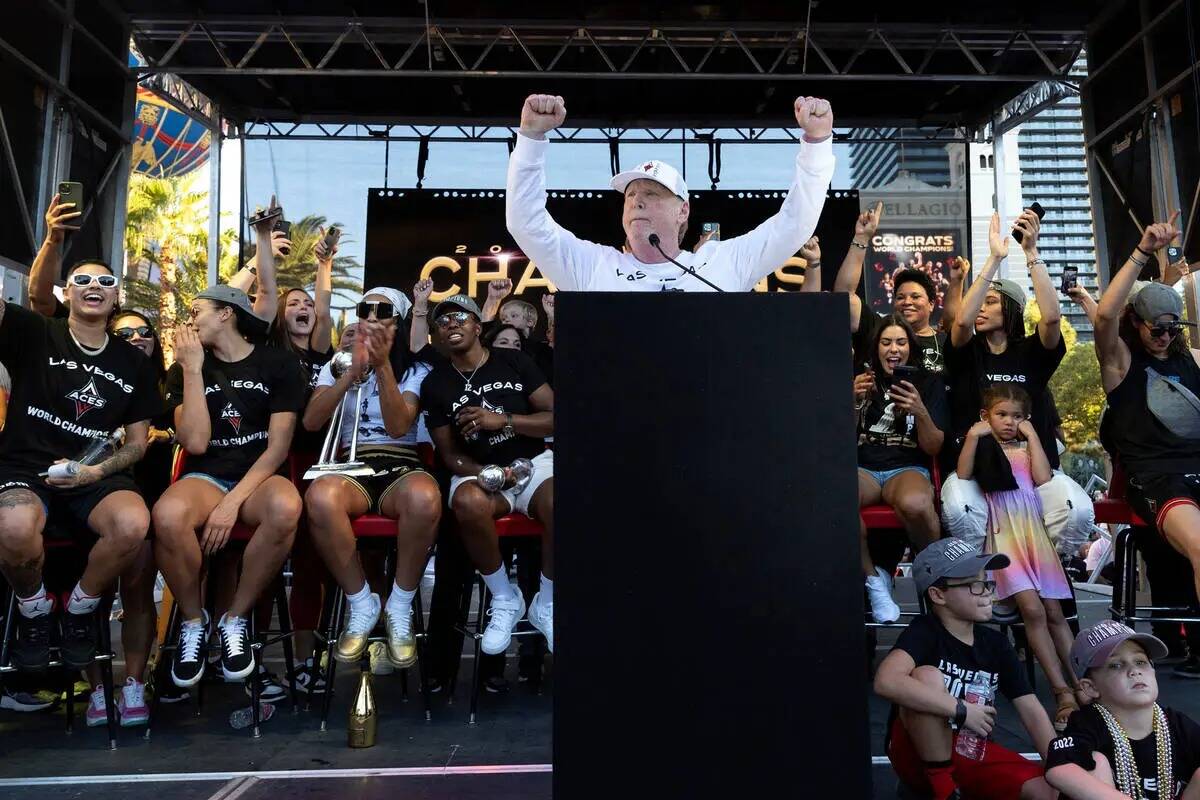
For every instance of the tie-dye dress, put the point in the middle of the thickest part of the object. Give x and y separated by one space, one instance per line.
1016 529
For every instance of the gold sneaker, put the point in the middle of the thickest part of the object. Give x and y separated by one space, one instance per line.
401 644
355 637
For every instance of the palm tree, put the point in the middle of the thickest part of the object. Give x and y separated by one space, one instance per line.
298 269
166 242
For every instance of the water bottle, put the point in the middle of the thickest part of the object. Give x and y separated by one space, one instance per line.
97 451
978 692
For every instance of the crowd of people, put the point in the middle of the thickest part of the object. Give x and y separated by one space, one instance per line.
957 431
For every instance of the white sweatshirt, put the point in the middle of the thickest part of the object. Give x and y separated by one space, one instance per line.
736 264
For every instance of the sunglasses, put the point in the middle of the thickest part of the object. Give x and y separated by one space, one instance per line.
977 588
382 310
1158 330
144 331
457 317
81 280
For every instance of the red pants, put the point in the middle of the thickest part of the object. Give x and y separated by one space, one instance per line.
999 776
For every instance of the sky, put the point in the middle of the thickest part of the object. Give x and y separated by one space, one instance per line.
332 178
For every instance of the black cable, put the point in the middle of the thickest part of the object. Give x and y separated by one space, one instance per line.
655 243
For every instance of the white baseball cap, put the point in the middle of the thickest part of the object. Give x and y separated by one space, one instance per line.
657 171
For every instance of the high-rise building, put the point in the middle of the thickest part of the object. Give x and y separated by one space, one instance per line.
1054 174
875 164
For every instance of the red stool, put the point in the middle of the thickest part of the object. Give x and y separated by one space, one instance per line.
509 526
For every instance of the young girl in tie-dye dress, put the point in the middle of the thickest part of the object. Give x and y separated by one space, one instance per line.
1003 453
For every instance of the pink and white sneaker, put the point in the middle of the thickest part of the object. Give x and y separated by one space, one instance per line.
131 703
97 710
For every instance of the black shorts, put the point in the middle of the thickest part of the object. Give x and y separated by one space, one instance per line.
392 464
67 510
1153 494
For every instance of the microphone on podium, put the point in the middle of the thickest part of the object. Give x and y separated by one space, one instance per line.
654 242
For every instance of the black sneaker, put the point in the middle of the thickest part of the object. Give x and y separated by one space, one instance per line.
172 694
270 690
237 657
30 649
78 646
497 684
17 700
1189 668
187 664
309 679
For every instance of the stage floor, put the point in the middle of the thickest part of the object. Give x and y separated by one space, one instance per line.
506 755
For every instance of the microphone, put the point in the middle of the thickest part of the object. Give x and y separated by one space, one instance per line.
654 242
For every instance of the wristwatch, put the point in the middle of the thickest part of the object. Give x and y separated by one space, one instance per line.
509 430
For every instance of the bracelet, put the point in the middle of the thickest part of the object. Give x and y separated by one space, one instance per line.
420 313
1036 261
1143 252
1139 263
859 245
814 264
960 713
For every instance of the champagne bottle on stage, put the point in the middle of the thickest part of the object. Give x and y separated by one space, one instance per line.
97 451
363 724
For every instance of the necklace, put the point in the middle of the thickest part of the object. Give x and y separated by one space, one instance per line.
1129 781
87 351
482 361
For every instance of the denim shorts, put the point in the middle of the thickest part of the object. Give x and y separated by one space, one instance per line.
220 483
883 476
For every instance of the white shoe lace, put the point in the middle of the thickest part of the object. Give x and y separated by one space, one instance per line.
232 630
134 694
361 620
190 637
98 700
503 614
400 623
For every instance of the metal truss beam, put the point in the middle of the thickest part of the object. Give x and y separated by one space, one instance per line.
353 132
236 46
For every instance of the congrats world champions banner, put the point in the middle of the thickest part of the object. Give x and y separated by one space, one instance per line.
930 251
458 237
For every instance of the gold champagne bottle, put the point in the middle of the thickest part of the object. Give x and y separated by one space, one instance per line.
364 717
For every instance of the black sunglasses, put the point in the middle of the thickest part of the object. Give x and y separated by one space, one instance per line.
382 310
458 317
144 331
82 279
1158 330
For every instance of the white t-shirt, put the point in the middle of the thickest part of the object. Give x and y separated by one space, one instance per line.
371 429
735 264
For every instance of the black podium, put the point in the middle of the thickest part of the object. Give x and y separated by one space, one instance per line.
708 596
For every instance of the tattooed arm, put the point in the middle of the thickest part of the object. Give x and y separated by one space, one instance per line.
136 441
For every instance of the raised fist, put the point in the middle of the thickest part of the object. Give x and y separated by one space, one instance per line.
810 251
421 292
542 113
499 288
815 116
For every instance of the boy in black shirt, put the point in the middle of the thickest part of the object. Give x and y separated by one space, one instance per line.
493 407
235 410
1123 744
73 385
926 673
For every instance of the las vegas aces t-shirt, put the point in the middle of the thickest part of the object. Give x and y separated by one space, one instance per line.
63 398
267 381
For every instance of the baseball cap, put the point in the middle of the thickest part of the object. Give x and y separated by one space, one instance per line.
952 558
657 171
1011 290
1155 299
228 295
1094 645
461 301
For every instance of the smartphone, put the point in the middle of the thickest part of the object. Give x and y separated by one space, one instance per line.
904 372
1070 278
71 192
331 237
1041 213
285 227
1174 253
711 227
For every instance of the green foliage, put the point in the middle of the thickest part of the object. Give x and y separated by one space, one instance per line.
298 269
1076 386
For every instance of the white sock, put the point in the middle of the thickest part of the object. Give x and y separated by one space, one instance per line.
81 602
401 599
361 598
498 584
38 604
546 590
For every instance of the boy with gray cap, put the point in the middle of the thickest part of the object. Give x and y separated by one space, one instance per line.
1124 744
926 674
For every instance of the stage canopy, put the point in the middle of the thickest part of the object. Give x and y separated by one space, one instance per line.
619 64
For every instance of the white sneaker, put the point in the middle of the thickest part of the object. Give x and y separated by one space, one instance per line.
879 591
380 663
504 615
131 703
97 710
541 616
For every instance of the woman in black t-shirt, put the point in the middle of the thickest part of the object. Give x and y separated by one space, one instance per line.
235 410
900 424
1152 379
988 345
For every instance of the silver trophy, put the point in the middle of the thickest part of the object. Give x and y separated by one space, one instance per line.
327 463
493 478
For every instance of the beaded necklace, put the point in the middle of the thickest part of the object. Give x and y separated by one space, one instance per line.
1129 781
